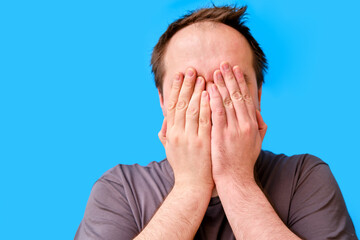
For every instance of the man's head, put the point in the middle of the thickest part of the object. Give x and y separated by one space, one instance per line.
202 39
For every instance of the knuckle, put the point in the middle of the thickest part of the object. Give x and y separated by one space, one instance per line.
171 105
236 95
181 105
197 143
192 112
176 86
247 127
228 102
174 139
247 98
220 112
203 121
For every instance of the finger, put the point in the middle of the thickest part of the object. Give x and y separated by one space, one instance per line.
192 112
218 114
162 133
173 98
245 92
184 97
261 125
235 93
227 101
205 116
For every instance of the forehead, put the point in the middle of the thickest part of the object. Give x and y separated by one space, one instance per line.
203 46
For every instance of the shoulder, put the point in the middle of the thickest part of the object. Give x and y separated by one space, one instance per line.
143 187
306 195
279 175
300 162
124 199
294 172
135 173
280 167
134 180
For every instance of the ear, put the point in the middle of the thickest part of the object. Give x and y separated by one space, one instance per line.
161 99
259 96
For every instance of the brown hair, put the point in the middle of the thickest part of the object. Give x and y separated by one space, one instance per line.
231 16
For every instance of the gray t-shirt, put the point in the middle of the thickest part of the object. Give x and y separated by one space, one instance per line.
301 189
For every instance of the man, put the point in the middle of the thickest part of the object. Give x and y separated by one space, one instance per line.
216 182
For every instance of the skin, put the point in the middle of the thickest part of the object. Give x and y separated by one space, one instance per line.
212 134
203 46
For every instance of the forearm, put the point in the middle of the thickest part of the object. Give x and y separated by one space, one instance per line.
180 215
249 212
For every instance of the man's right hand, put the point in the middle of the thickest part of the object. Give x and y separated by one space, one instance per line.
186 131
185 135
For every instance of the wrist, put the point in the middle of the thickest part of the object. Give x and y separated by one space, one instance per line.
193 188
189 181
230 182
232 176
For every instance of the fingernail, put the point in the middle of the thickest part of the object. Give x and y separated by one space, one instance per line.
218 75
237 70
219 79
190 72
225 66
199 80
204 94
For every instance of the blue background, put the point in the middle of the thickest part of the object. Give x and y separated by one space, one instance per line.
77 97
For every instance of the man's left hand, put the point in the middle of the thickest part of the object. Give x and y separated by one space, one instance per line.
238 128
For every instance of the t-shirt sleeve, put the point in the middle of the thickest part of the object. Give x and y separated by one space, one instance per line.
107 214
317 209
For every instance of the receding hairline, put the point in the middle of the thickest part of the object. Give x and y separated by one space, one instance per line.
205 25
230 15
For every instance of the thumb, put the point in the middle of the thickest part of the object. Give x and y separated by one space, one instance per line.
162 133
262 125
